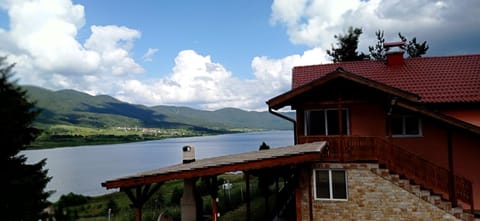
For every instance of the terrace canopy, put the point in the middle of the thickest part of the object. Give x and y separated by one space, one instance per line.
146 183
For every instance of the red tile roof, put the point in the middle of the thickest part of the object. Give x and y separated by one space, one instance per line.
435 79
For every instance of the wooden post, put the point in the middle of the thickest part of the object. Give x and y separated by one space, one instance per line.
342 146
298 203
214 195
310 193
451 175
247 194
138 213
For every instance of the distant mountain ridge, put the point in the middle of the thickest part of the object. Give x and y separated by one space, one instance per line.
70 107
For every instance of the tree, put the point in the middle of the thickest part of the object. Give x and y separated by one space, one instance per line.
378 51
23 196
413 48
347 46
176 196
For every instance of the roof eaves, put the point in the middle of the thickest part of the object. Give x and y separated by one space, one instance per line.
439 116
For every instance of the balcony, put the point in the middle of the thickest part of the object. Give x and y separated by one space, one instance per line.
398 160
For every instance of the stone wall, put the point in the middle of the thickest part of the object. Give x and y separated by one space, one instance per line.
370 197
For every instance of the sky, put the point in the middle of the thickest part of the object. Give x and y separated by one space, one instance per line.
209 54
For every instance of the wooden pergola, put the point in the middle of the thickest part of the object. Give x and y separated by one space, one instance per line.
140 187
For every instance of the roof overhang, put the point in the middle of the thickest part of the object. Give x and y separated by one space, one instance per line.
414 107
287 98
275 157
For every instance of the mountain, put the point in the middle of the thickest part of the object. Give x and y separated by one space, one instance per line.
70 107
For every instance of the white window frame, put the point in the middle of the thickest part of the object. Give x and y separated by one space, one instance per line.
404 127
330 185
325 118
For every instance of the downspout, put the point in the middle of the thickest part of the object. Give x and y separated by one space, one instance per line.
289 119
451 174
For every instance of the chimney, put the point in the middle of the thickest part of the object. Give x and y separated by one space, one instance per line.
394 57
188 203
188 154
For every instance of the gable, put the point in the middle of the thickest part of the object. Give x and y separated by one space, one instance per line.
348 80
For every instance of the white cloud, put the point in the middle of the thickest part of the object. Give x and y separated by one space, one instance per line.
315 22
149 54
275 74
199 82
42 41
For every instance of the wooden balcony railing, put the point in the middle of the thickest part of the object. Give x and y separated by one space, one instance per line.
399 161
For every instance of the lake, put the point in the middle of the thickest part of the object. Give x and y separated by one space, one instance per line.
82 169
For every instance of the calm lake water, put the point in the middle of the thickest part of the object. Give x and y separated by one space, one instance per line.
82 169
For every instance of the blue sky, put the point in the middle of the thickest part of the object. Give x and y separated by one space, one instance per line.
208 54
232 32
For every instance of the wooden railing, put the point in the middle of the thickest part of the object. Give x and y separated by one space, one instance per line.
399 161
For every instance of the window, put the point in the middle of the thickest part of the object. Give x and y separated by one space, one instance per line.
330 184
326 122
406 126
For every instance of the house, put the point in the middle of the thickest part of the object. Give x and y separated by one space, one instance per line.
418 118
374 140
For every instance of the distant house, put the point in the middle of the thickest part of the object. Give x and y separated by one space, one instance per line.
418 118
374 140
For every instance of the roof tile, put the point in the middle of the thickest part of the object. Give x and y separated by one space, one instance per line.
446 79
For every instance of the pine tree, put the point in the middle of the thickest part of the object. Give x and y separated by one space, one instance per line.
378 51
413 48
347 47
23 196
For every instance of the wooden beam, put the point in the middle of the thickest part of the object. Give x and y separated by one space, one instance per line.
142 194
208 171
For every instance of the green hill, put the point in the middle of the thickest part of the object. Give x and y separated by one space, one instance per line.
69 107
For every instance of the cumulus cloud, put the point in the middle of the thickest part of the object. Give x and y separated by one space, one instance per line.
199 82
41 39
315 22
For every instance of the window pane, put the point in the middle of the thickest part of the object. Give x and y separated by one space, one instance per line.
322 187
344 122
412 126
339 185
333 124
332 121
397 125
316 123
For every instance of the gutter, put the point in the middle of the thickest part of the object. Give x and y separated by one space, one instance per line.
288 119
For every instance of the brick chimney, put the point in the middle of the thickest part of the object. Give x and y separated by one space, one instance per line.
395 56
